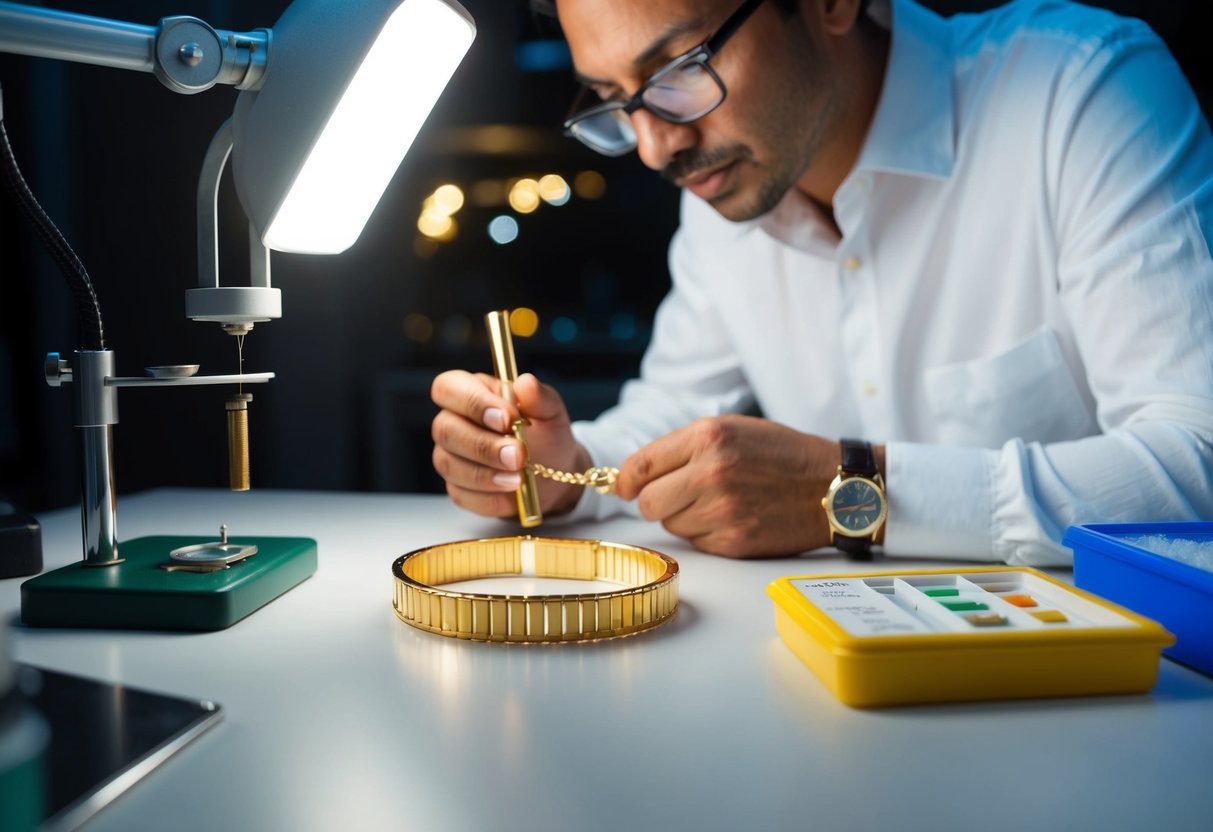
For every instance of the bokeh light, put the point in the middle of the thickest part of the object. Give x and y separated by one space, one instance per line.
418 327
524 322
553 189
437 213
503 229
524 196
589 184
448 198
622 326
564 330
436 225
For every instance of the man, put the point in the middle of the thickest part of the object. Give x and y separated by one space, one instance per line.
980 244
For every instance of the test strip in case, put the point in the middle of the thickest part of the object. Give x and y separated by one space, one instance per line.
943 635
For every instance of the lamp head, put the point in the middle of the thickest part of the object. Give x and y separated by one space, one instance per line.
345 92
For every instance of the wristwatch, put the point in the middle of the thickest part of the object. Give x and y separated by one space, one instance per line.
855 503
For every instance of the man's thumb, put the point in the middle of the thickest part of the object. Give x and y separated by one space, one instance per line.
537 400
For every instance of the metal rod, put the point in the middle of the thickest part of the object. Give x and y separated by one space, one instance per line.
96 413
188 381
186 54
98 506
217 153
48 33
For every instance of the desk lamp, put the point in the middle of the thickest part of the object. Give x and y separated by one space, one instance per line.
331 99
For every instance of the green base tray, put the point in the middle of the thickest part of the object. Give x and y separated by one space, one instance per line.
138 595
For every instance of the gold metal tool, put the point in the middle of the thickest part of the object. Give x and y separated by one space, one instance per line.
237 441
502 346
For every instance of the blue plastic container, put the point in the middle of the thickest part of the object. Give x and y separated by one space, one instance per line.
1175 594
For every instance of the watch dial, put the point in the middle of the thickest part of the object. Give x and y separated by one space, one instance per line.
856 504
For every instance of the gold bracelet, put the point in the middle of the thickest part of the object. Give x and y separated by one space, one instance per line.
648 597
601 480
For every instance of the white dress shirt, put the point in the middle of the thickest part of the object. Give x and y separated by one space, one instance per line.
1020 305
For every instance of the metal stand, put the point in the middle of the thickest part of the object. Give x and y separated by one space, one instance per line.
96 413
236 308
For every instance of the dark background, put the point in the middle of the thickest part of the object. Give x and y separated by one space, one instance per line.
114 158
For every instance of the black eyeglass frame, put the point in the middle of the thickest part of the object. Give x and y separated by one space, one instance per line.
700 54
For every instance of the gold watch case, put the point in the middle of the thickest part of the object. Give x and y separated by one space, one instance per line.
836 525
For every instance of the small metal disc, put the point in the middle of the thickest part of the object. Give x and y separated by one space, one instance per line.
212 553
172 370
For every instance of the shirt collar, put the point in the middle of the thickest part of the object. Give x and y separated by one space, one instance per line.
913 130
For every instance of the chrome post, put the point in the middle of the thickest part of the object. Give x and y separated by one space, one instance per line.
96 413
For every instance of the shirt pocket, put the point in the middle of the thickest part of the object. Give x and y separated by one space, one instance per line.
1025 392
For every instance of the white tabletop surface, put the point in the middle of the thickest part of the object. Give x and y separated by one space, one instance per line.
340 717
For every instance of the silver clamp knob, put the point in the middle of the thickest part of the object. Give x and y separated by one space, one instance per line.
57 370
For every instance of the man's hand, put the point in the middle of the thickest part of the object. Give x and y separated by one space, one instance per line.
735 485
475 450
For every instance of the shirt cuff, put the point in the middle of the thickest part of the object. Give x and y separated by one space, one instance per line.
940 502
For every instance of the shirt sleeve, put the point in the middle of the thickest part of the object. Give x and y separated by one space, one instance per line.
690 371
1129 167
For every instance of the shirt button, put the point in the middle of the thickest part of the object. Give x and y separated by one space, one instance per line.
869 388
852 263
864 182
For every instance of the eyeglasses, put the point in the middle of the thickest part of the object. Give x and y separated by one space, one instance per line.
685 89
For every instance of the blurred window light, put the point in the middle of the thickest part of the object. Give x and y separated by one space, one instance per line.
503 229
524 196
524 322
589 184
564 330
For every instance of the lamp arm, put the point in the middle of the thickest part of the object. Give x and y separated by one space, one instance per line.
237 308
186 54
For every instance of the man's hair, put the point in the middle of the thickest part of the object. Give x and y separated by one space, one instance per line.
548 7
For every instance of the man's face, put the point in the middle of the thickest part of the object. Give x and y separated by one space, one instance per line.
781 104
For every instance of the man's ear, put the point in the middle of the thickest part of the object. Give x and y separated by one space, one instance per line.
838 16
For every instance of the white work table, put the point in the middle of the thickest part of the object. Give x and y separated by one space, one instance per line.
337 716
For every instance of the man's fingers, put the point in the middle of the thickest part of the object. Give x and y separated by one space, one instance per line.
471 476
483 503
475 397
461 438
658 478
664 497
652 462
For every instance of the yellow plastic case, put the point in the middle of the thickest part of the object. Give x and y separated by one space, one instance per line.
898 638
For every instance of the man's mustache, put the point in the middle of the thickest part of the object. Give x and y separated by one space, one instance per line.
686 163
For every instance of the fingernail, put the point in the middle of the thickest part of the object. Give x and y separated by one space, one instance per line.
509 456
494 417
507 480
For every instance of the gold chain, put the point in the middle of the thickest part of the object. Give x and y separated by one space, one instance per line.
601 480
